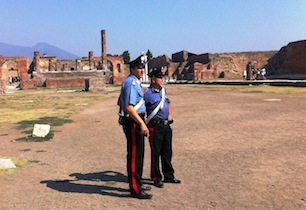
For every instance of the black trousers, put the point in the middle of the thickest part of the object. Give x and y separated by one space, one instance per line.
161 149
135 154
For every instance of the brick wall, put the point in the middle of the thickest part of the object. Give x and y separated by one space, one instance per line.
65 83
29 84
289 61
95 84
88 84
2 87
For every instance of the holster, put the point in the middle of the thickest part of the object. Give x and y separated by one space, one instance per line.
122 120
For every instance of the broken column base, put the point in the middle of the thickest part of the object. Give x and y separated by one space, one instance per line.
41 130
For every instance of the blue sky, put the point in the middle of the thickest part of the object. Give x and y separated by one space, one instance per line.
162 26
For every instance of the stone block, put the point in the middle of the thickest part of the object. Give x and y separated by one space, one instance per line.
41 130
6 163
96 84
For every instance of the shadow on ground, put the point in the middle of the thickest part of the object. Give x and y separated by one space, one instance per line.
108 187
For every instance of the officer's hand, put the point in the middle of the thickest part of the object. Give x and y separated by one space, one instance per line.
144 129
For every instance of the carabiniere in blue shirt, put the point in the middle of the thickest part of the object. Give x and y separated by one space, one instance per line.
131 94
152 99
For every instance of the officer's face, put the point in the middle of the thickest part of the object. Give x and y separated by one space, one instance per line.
157 81
138 72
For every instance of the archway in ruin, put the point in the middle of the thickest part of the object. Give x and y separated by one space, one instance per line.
110 66
10 72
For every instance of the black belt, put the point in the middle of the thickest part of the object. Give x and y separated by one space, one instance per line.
163 122
142 115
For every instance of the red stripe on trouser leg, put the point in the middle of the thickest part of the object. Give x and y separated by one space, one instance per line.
153 172
133 160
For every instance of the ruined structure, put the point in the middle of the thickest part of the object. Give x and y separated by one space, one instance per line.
46 70
90 73
208 66
50 72
13 70
289 62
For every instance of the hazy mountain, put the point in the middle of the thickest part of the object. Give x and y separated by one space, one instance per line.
14 50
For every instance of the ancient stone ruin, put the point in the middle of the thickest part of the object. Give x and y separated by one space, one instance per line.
209 66
289 62
92 73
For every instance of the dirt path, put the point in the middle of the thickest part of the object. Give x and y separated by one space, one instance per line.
231 151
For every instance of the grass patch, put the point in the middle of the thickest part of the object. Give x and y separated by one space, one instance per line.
33 161
25 150
36 139
29 124
23 109
41 151
113 88
19 163
32 104
52 121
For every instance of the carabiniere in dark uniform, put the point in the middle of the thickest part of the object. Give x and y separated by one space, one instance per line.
159 118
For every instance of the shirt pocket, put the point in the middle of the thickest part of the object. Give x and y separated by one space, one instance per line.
139 92
153 101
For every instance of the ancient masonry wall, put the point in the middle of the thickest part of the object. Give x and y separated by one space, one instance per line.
232 65
2 87
14 67
289 62
70 79
209 66
85 66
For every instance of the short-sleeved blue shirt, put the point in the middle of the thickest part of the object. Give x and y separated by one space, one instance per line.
131 93
152 99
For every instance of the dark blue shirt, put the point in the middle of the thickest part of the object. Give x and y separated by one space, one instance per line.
152 99
131 94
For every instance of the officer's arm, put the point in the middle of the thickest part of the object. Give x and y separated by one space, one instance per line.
134 115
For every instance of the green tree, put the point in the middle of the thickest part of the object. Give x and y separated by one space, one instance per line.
149 55
126 56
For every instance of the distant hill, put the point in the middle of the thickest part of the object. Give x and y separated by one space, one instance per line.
14 50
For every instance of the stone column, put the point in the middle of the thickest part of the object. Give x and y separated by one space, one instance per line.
36 60
52 64
91 60
77 64
65 67
22 71
103 46
249 71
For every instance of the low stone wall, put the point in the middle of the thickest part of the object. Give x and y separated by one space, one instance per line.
88 84
2 87
118 80
95 84
65 83
77 78
25 85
